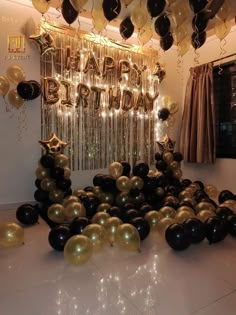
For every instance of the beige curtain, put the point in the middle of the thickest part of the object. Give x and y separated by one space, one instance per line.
197 134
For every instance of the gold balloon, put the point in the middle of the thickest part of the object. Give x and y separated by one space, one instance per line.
100 218
78 4
4 86
139 16
111 226
153 217
168 212
41 173
115 169
152 173
204 206
105 197
74 210
184 46
174 165
180 12
180 33
122 198
69 199
186 208
11 235
211 190
178 173
168 158
103 207
78 250
123 184
55 3
190 200
56 195
56 213
67 172
223 12
41 6
163 224
183 215
231 204
146 32
222 28
203 215
99 20
61 160
47 184
90 194
15 74
97 235
79 192
127 237
15 99
136 182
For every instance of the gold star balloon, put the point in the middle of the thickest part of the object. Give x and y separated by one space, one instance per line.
44 42
167 145
53 145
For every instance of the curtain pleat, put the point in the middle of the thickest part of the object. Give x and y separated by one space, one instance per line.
197 134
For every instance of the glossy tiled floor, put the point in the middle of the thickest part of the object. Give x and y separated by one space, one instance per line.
35 280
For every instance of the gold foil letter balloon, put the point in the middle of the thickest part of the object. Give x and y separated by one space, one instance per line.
54 146
11 235
50 90
78 250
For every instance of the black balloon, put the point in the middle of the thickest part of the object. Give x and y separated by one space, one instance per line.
150 183
57 172
162 25
198 5
58 237
36 89
25 90
108 183
88 189
199 22
27 214
178 156
168 173
161 166
195 230
78 224
91 204
142 227
155 7
225 195
68 12
223 213
144 209
138 200
167 41
161 180
98 180
200 184
38 183
213 8
163 113
126 28
141 169
68 192
198 39
129 205
47 161
63 183
40 195
177 237
130 214
111 9
126 168
134 192
186 182
114 212
231 225
216 230
158 156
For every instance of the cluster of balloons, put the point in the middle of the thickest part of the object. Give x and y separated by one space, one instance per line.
53 182
14 74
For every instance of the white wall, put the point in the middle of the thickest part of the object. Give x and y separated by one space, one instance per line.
223 173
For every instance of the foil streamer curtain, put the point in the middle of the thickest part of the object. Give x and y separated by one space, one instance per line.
197 135
97 137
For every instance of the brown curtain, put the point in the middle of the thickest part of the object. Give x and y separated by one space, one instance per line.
197 134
